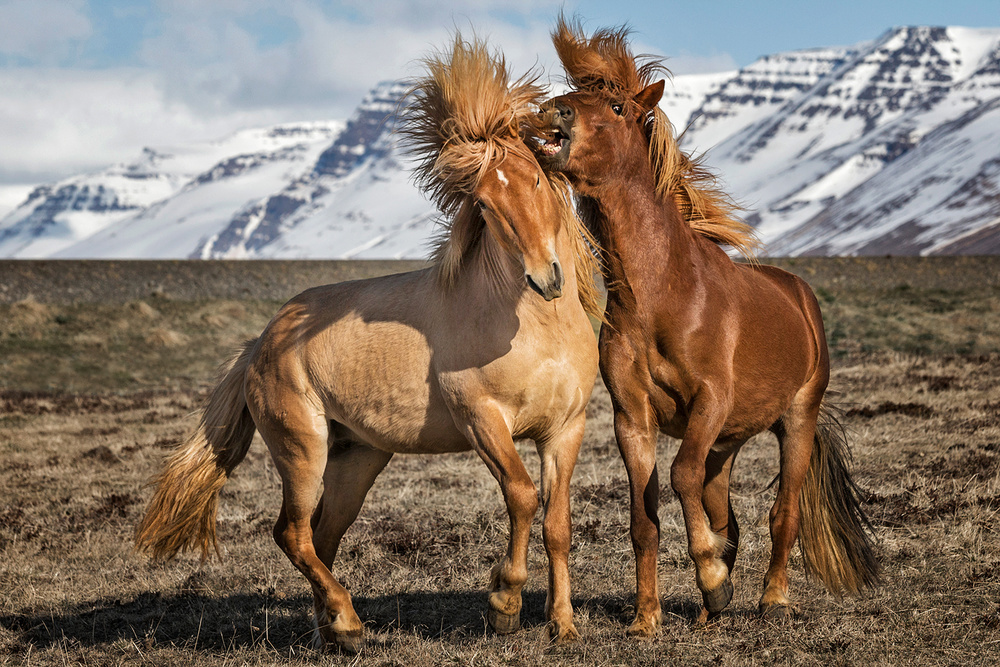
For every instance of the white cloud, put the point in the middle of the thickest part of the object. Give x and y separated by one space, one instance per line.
72 121
207 69
208 58
42 30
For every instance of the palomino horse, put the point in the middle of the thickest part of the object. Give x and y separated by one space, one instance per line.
697 346
472 353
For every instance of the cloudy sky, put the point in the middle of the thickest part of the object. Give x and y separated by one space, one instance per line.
86 83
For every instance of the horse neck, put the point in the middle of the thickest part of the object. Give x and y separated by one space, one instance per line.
640 233
488 267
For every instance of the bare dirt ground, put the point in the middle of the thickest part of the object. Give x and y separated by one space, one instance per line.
93 394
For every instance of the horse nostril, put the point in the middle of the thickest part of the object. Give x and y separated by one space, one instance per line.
558 274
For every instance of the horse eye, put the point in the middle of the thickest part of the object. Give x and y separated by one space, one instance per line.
617 108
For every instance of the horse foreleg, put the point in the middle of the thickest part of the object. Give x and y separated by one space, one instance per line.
558 456
637 445
687 478
490 437
717 502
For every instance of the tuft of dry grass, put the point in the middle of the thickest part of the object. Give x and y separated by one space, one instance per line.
79 441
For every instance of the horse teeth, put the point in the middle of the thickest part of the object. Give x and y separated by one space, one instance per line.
551 148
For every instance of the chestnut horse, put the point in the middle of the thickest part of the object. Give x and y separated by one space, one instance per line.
490 344
697 346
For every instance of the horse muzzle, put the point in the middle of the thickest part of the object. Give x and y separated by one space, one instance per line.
557 125
549 283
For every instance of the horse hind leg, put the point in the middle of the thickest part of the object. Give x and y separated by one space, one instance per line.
351 469
298 442
796 432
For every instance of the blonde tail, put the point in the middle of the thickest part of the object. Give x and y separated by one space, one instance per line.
181 514
834 534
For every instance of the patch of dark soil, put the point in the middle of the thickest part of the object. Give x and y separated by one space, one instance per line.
402 538
111 507
971 464
100 453
898 510
602 494
45 403
152 417
90 431
14 522
936 383
890 407
592 531
12 519
165 443
439 482
16 466
984 573
114 505
989 620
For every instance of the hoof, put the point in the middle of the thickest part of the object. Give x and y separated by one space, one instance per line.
350 642
643 628
775 612
562 634
717 600
503 624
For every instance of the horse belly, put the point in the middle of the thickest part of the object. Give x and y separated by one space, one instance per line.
380 386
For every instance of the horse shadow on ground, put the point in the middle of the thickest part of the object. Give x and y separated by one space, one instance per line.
214 623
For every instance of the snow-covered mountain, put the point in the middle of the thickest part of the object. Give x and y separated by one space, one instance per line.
329 189
886 147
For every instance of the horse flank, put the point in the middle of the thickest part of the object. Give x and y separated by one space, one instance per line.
459 125
604 64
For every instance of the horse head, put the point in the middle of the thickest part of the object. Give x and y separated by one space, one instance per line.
468 124
592 136
609 129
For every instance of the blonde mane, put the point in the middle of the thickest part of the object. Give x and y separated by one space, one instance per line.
462 119
604 64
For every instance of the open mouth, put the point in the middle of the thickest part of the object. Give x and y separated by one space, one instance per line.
552 146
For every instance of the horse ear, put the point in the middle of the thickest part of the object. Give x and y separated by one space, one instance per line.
648 97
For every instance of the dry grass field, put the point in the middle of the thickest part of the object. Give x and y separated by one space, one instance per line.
93 394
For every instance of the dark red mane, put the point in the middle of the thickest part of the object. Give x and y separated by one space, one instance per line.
604 64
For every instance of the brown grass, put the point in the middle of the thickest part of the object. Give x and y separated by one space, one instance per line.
79 439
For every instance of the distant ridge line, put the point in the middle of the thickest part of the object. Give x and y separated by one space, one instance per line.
122 281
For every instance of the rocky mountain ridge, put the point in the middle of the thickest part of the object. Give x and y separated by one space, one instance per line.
886 147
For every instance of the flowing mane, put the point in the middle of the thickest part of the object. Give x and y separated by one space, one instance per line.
604 64
464 118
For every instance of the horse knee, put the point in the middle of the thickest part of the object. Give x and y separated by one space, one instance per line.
556 534
687 479
522 499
